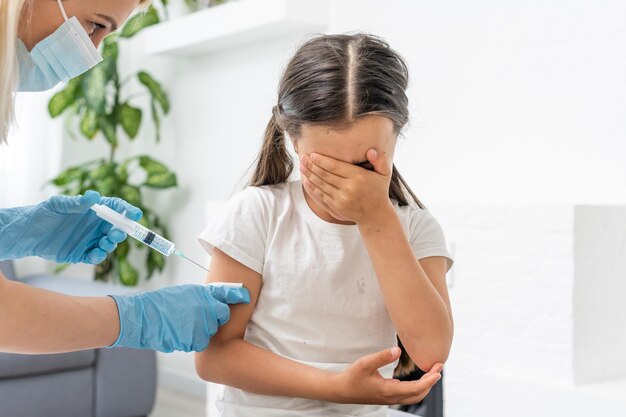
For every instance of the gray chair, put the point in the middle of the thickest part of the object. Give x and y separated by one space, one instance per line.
431 406
97 383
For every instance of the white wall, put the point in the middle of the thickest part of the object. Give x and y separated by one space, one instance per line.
512 102
600 287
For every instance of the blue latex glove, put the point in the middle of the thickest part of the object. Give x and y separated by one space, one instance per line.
62 229
183 317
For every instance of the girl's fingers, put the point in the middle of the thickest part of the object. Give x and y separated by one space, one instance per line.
318 182
339 168
320 197
415 388
316 192
327 176
438 367
413 400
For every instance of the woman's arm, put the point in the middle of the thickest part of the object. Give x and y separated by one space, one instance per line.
232 361
33 320
184 317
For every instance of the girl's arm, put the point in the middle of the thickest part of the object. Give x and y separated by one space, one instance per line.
232 361
414 291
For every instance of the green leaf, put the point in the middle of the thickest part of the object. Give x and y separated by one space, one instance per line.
131 194
165 180
156 118
110 53
155 261
64 98
157 92
108 126
140 21
103 171
93 85
122 172
159 175
128 274
122 250
89 124
152 166
192 4
130 119
68 176
106 186
103 269
110 49
61 267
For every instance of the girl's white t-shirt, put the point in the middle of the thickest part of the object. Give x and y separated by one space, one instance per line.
320 302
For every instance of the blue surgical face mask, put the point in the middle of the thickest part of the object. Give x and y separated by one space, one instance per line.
65 54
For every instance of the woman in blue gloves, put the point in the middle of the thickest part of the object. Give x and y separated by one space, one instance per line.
43 43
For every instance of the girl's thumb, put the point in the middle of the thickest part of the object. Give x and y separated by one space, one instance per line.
379 161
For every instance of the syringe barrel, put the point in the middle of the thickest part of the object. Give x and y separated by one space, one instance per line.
134 229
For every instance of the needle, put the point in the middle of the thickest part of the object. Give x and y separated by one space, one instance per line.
179 253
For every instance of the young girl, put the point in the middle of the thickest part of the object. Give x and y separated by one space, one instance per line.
339 263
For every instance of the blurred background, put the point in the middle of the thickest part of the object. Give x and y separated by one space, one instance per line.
516 144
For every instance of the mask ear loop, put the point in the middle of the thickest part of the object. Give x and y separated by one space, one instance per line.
62 10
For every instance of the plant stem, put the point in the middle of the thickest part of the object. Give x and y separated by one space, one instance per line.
116 105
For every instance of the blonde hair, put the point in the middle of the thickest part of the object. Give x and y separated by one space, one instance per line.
10 12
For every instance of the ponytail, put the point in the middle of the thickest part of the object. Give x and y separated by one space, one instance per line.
399 189
274 164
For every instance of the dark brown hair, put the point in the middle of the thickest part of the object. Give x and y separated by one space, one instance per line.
334 80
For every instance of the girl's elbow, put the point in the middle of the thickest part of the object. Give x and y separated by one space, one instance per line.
203 368
426 361
425 357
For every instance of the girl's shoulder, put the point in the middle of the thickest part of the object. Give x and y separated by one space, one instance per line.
262 196
265 201
418 221
424 232
411 211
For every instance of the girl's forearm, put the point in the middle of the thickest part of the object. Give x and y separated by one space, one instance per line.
242 365
418 311
33 320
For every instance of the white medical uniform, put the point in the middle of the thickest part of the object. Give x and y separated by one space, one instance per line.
320 303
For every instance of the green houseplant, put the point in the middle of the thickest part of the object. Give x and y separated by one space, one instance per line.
96 104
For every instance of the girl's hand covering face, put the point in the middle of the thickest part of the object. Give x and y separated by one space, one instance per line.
356 193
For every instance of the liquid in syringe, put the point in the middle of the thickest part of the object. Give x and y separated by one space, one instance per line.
139 232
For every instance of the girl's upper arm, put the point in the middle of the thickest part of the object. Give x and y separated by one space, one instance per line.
435 268
223 268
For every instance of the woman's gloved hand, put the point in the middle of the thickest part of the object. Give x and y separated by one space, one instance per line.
183 317
62 229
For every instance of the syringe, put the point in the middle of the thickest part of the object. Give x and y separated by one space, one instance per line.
139 232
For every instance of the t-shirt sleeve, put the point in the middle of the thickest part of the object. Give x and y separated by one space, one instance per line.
426 237
239 230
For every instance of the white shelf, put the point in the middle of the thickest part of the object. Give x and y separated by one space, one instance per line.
232 24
